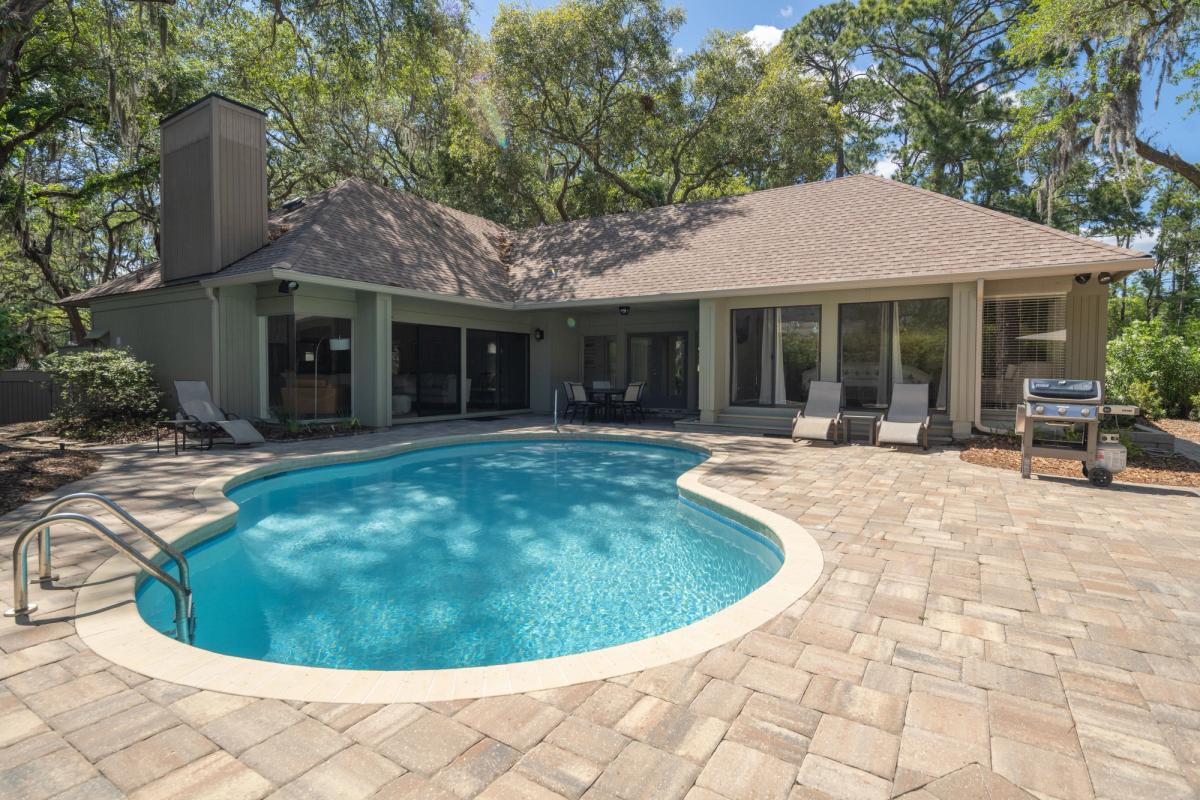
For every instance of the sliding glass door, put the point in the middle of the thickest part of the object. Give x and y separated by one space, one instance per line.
776 354
497 370
899 341
426 370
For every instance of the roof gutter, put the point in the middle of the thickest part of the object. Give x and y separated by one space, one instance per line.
1125 265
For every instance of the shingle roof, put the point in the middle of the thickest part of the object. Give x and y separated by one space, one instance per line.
849 229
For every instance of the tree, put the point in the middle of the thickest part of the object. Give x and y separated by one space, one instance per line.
944 62
608 119
1095 58
827 42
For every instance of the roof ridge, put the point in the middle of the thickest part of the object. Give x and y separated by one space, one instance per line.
1073 237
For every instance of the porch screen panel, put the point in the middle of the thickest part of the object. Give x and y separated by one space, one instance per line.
1023 337
323 380
281 365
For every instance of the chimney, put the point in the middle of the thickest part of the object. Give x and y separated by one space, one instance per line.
214 186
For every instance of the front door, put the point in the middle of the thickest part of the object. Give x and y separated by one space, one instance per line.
660 360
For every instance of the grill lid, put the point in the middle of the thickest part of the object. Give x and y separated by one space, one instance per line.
1063 389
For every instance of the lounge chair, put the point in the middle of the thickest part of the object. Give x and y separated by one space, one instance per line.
196 403
822 414
907 418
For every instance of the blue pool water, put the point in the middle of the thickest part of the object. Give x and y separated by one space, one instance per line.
465 555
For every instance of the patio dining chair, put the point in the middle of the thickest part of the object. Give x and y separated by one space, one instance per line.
907 418
579 401
821 417
196 405
631 402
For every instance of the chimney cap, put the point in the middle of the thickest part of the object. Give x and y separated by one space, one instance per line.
205 99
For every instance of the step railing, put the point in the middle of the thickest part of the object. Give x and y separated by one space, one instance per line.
180 588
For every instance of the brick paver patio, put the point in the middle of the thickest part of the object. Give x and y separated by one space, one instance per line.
973 635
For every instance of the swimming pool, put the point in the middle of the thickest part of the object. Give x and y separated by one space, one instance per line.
465 555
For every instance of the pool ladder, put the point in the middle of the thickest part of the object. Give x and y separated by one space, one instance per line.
185 620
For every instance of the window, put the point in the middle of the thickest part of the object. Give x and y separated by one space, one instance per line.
1023 337
426 370
308 366
776 354
497 370
599 359
900 341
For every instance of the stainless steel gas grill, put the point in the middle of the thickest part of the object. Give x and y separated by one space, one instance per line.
1060 408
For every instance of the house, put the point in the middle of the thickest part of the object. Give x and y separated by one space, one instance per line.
366 302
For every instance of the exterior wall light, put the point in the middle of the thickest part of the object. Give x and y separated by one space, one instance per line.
538 334
1104 278
623 310
287 287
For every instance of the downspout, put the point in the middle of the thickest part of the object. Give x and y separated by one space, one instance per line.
979 360
215 306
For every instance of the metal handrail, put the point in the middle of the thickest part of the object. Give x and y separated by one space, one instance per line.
184 621
44 567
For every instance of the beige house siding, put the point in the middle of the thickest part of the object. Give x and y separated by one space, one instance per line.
1087 330
241 351
964 356
170 328
371 353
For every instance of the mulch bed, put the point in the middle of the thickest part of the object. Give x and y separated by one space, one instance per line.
30 467
1002 453
1181 428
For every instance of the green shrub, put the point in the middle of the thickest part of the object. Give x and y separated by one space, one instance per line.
1195 412
1163 362
1147 399
104 394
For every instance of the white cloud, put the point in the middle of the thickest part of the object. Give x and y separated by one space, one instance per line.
785 12
1145 242
764 37
887 168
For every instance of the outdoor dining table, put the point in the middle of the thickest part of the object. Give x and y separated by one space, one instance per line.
608 395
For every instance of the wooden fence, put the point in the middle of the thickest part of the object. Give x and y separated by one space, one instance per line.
26 395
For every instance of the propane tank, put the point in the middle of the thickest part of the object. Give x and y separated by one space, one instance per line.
1110 453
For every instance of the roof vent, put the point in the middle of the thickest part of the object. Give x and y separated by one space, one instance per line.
293 204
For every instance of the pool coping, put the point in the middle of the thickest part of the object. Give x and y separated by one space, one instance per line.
108 622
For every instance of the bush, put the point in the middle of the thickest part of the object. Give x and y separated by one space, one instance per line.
1164 362
1195 412
1147 399
104 394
